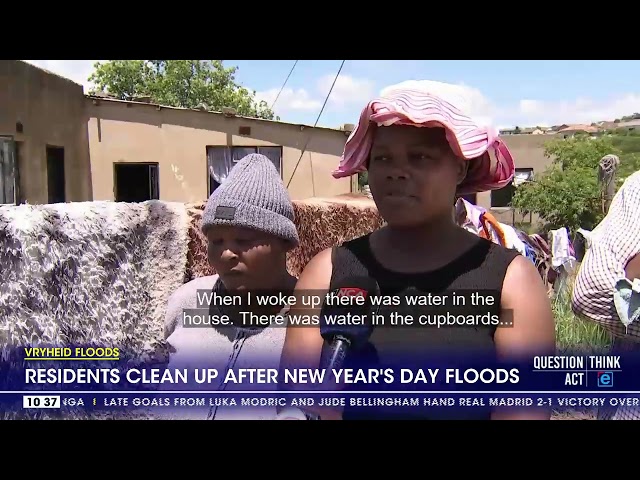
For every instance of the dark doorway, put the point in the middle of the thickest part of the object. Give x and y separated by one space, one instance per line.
7 170
471 198
136 182
19 159
55 175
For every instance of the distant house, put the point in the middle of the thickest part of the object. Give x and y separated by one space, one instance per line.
606 125
628 125
532 131
571 130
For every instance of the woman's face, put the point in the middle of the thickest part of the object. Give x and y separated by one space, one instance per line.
413 175
244 258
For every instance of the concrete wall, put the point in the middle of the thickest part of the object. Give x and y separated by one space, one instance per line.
528 152
177 140
51 111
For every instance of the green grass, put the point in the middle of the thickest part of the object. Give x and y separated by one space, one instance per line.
575 335
572 332
627 143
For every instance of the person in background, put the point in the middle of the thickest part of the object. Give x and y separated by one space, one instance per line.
249 225
420 151
607 287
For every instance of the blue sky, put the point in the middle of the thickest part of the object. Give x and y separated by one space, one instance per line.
508 93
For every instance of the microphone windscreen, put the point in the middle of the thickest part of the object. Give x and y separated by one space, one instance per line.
291 414
348 309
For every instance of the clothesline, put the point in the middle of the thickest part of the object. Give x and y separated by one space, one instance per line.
546 256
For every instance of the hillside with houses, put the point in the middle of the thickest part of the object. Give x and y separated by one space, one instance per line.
629 123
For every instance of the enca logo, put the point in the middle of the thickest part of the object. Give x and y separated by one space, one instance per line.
352 292
605 379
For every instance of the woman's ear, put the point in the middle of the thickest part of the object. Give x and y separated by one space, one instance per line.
286 246
463 168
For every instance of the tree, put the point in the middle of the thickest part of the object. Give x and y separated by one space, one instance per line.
568 194
179 83
363 179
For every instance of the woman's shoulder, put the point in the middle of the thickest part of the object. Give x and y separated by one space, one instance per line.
332 255
318 272
484 264
497 252
185 297
355 242
186 293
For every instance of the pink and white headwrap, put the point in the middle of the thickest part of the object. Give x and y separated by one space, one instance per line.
467 138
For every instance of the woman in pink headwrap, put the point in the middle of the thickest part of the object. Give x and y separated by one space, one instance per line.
420 152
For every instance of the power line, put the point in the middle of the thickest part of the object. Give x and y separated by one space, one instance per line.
283 85
316 123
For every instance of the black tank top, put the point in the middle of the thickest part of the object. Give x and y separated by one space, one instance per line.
482 267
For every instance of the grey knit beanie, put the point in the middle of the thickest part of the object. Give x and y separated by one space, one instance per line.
253 196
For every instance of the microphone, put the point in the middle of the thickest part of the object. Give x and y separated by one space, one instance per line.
345 323
292 413
345 319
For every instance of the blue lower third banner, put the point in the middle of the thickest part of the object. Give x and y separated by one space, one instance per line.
70 382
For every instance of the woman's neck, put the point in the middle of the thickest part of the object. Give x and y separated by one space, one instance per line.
283 283
423 236
419 249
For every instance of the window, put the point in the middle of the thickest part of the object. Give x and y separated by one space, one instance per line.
522 175
7 170
136 182
220 161
503 196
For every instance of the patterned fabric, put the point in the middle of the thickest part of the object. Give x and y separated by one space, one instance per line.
614 242
487 220
419 108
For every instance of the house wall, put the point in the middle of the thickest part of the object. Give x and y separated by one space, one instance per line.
51 111
177 139
527 152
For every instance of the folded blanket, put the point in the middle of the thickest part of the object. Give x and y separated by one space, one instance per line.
90 273
321 223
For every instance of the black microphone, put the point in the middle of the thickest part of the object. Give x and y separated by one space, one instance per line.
345 319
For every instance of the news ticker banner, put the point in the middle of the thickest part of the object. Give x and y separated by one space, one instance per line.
394 403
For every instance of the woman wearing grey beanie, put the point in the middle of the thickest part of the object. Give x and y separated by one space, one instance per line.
248 222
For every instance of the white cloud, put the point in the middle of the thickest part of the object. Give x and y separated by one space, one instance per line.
580 110
468 99
75 70
290 99
529 112
347 91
